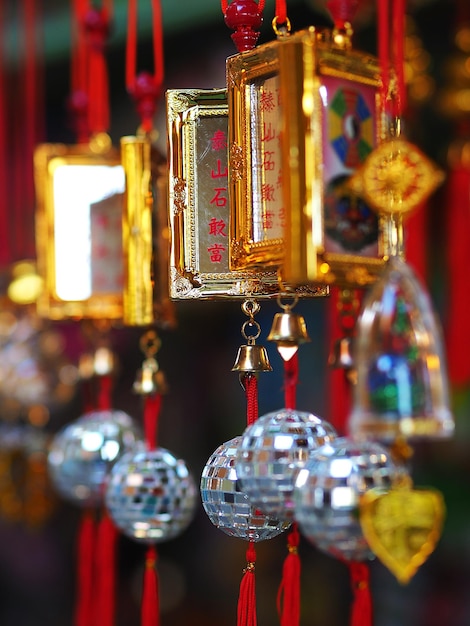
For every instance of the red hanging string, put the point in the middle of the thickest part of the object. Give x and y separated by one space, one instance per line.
246 610
96 24
78 99
152 405
105 571
391 52
361 611
291 379
105 385
150 612
250 383
85 593
288 595
281 12
144 87
4 203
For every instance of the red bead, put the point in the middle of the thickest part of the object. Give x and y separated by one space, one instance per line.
145 92
244 18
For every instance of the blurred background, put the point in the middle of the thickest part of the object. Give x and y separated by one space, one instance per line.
200 571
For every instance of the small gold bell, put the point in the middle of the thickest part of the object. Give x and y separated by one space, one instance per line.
150 379
288 331
341 355
252 358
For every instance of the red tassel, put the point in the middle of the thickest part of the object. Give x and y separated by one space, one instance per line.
85 552
288 596
152 406
105 571
361 612
150 607
246 613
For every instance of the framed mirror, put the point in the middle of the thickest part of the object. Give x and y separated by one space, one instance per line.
79 196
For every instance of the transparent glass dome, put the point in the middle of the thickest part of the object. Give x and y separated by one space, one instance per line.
402 386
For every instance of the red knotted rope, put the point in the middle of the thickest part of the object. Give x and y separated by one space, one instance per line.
143 87
4 203
152 406
105 571
84 603
250 383
361 611
246 610
78 99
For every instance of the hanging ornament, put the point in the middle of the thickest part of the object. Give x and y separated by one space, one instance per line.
288 330
402 388
226 504
272 451
402 525
327 491
82 453
250 356
151 495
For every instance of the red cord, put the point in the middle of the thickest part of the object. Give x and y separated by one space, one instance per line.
392 55
144 87
399 55
281 12
84 586
152 406
291 378
288 595
105 384
383 45
4 203
251 391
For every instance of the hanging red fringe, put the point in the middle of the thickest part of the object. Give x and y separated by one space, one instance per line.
246 613
84 586
457 247
105 571
288 596
361 610
291 379
150 607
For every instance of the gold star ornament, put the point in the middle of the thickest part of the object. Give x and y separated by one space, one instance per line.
396 177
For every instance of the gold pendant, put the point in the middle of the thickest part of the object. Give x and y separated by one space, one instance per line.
402 527
396 177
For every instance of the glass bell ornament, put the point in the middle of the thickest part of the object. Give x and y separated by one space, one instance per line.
226 504
151 495
271 452
82 453
402 387
327 492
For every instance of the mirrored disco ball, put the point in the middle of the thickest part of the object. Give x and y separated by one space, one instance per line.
227 506
82 453
151 496
272 451
327 492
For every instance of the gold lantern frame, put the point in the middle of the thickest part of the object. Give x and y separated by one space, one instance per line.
58 226
299 71
193 117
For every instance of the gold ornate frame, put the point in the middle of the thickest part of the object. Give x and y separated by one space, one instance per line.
199 203
79 194
304 71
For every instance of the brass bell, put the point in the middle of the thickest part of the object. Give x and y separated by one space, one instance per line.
288 331
341 355
150 379
252 358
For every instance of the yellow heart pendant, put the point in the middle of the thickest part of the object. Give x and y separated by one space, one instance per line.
402 526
